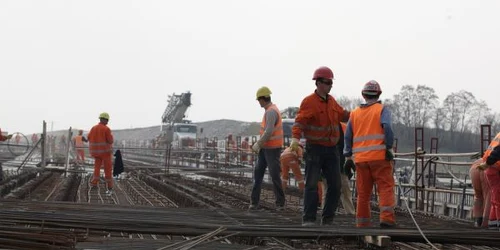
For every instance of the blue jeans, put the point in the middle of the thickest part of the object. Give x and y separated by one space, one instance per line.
324 161
271 158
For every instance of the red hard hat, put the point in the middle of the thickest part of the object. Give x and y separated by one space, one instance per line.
323 72
371 88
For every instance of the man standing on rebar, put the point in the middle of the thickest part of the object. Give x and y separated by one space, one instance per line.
491 164
268 148
318 119
368 145
78 143
482 195
100 147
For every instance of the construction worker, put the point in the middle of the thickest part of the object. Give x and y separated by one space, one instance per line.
4 137
78 143
34 139
245 147
482 202
291 159
268 148
492 173
368 150
100 147
345 175
318 119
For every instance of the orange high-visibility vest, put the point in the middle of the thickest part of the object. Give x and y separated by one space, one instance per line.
368 134
495 142
276 140
100 140
78 141
344 126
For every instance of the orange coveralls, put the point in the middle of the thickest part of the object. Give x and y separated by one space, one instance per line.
290 159
100 147
482 202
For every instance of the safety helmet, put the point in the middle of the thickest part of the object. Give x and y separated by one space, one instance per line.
323 72
371 88
263 92
104 115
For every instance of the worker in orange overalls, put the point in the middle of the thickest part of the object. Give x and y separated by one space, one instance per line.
492 173
100 147
368 148
245 150
78 143
482 203
291 159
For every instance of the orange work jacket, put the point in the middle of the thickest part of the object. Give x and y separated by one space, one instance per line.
368 134
276 140
318 120
495 142
100 140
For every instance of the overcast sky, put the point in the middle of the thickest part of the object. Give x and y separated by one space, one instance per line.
67 61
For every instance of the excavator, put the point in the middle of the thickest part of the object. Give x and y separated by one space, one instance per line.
175 130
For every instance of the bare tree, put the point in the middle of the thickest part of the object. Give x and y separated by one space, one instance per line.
349 103
425 105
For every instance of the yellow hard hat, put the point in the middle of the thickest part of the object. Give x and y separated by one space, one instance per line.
263 91
104 115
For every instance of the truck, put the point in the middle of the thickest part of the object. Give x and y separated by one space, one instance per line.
175 130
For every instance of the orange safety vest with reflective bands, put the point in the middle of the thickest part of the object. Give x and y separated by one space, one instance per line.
100 140
368 134
493 144
276 140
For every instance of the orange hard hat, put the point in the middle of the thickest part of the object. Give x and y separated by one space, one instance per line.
323 72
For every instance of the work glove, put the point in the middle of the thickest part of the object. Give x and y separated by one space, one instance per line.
389 154
349 167
256 147
483 166
294 145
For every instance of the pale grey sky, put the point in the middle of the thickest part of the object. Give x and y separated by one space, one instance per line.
67 61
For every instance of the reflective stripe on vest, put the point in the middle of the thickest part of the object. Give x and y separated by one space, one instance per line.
368 134
495 142
99 148
276 140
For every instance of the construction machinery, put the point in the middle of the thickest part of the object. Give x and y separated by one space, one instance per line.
175 130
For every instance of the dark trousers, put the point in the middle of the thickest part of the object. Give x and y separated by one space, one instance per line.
268 158
321 160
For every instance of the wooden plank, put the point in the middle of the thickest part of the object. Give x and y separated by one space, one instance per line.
378 240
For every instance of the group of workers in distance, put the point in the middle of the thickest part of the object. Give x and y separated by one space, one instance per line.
366 145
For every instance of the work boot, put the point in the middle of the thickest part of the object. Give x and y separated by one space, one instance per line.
253 207
280 208
387 225
327 221
308 223
109 192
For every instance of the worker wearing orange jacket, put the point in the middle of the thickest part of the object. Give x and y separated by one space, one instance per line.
245 150
491 164
318 119
291 160
482 202
78 142
100 147
368 141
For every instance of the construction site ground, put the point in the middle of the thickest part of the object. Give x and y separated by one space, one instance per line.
191 208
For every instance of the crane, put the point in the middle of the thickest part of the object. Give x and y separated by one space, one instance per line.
175 130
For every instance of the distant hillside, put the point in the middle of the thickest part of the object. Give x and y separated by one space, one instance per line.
217 128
